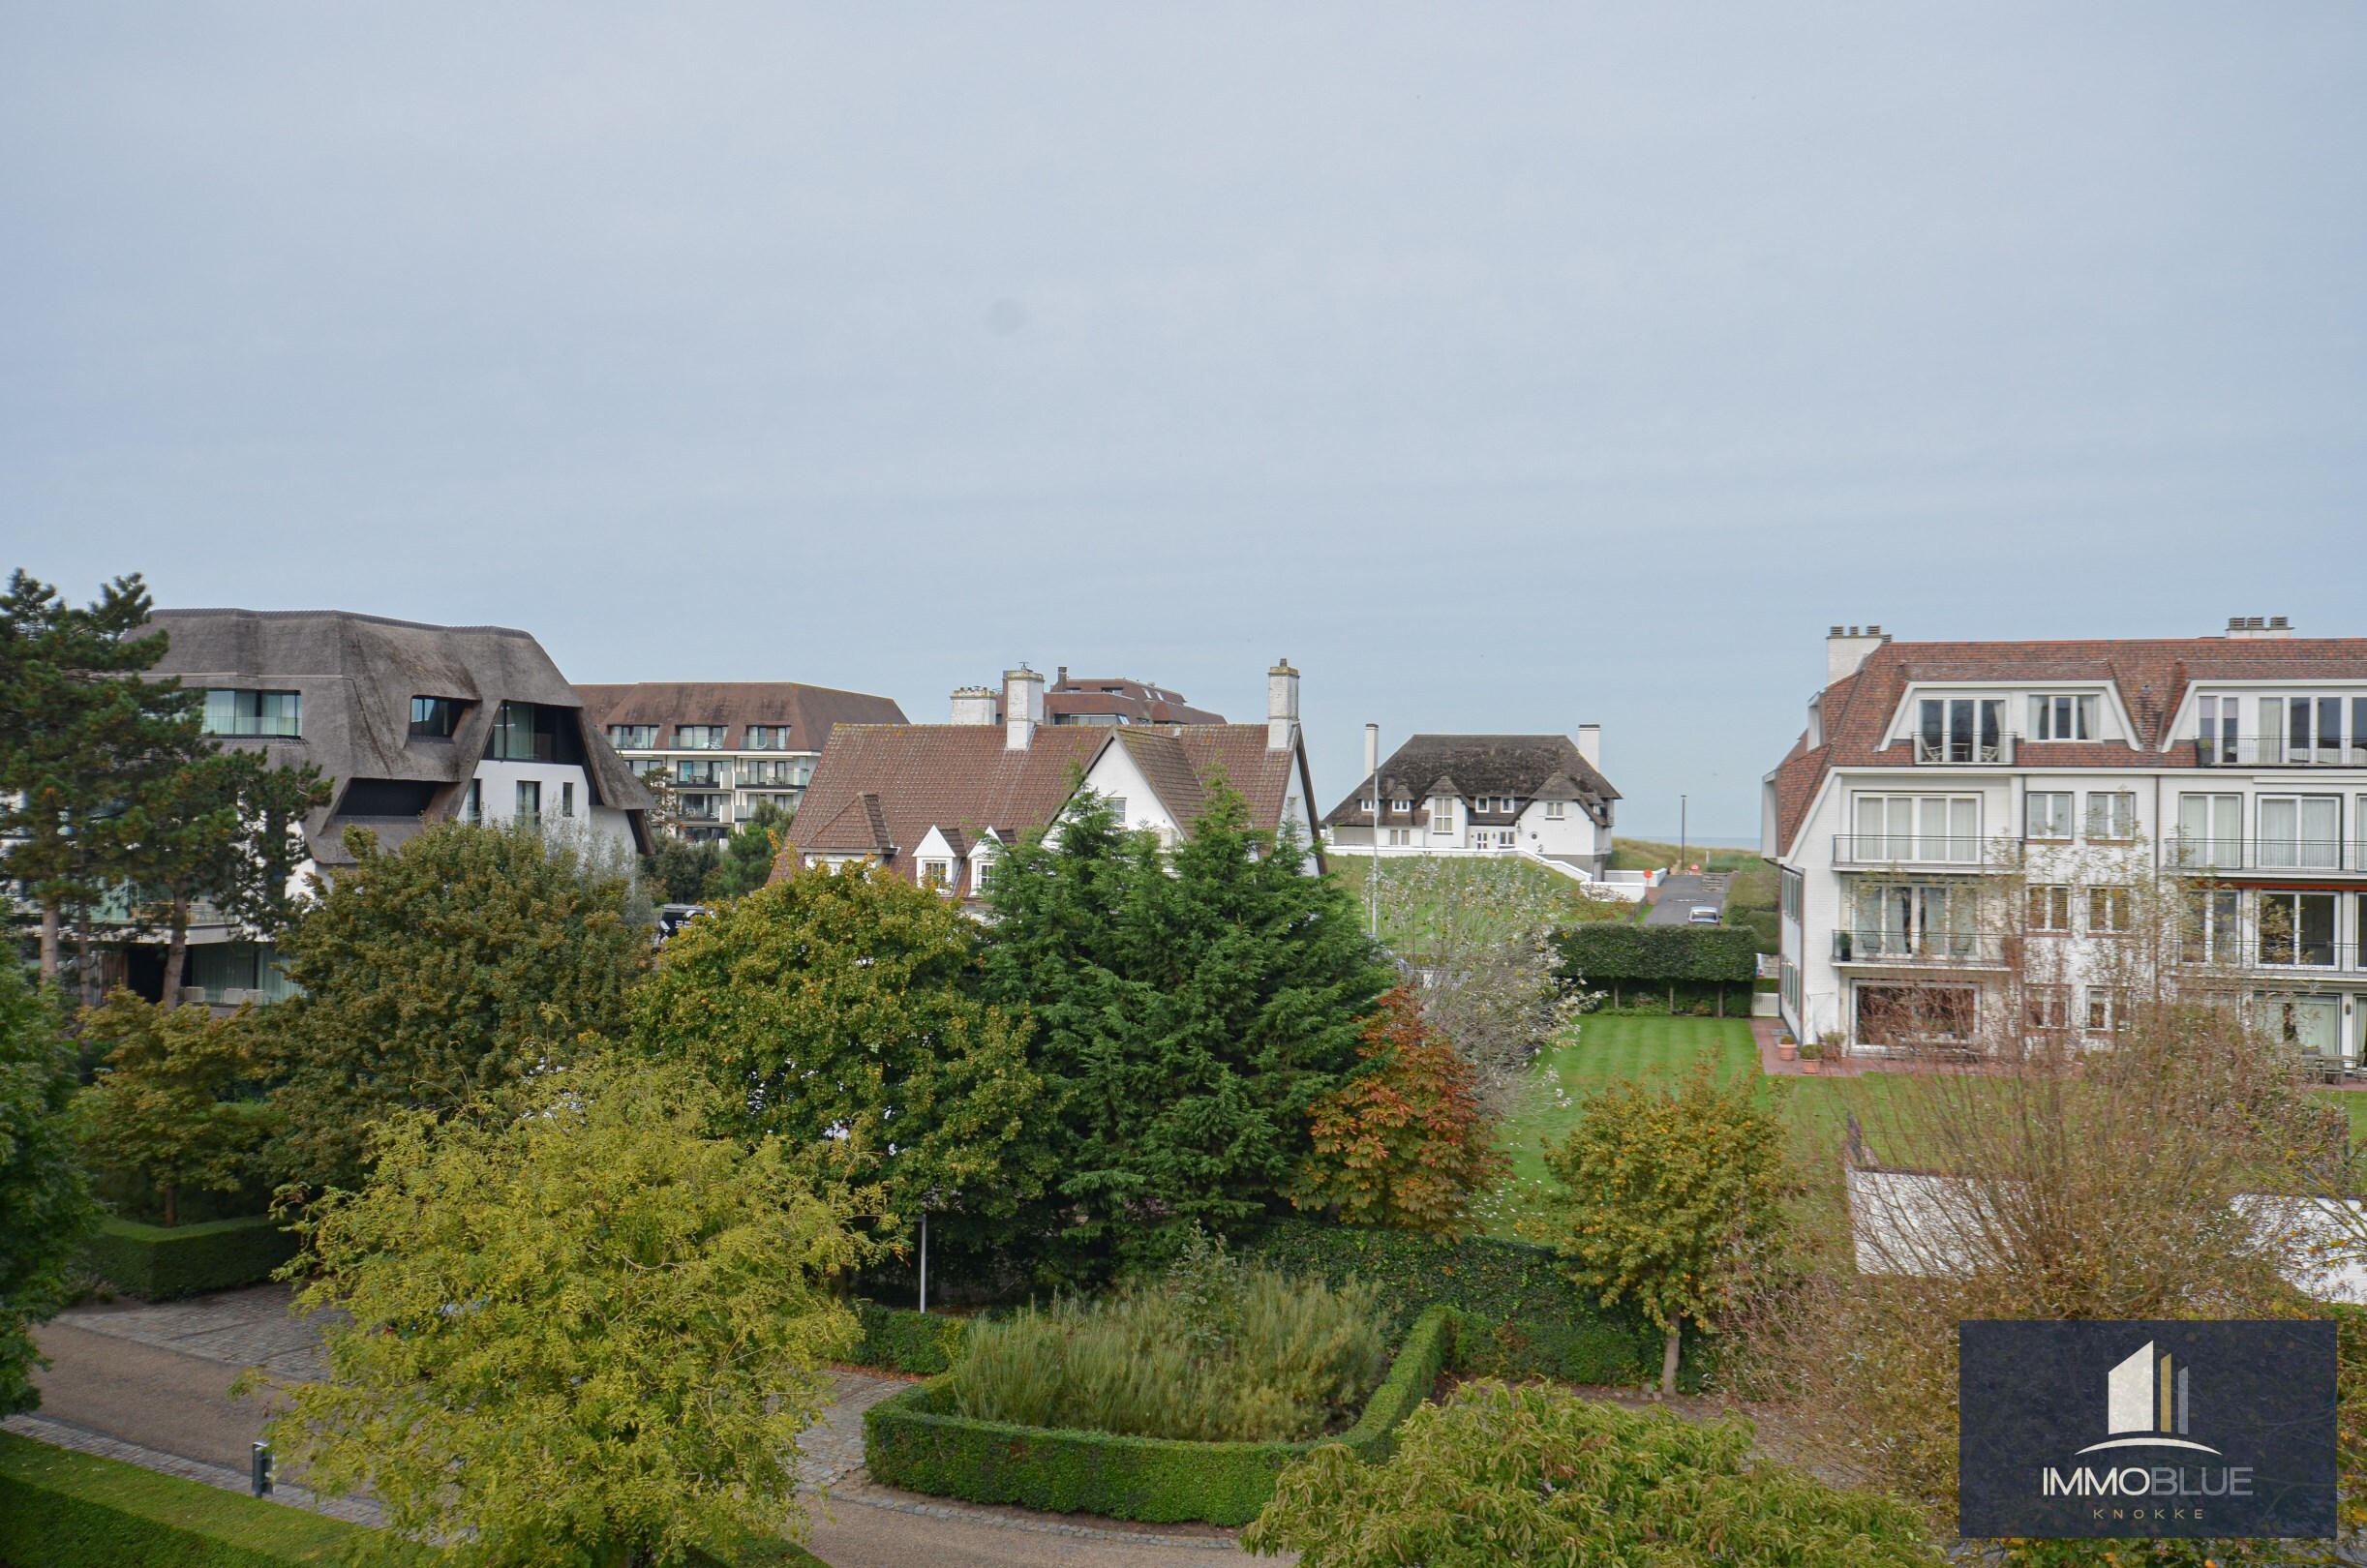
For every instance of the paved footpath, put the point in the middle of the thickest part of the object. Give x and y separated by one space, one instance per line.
150 1385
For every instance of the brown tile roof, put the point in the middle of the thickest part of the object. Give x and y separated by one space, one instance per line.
2152 677
879 788
809 712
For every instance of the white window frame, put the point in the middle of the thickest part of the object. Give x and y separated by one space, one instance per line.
2066 717
2116 809
2030 825
1928 820
1554 810
2049 908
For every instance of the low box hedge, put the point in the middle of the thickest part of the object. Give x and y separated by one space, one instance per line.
1524 1319
158 1264
897 1339
911 1441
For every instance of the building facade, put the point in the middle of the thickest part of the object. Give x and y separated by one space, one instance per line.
1543 795
412 724
937 803
726 747
2230 769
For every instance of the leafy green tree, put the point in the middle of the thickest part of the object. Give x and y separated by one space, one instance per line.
1670 1201
588 1334
747 856
1537 1475
437 975
1407 1142
46 1207
678 870
179 1098
842 1010
81 738
1191 1007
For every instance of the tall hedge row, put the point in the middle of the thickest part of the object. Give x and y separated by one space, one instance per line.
1609 952
1522 1316
159 1264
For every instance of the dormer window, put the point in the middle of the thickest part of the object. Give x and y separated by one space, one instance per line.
1960 730
433 718
1403 802
765 738
2064 718
698 737
633 737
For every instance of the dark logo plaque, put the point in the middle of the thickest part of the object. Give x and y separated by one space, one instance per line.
2221 1429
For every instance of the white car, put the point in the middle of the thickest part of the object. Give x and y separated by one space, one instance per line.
1702 914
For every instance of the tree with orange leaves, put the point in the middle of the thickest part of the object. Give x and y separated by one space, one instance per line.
1406 1142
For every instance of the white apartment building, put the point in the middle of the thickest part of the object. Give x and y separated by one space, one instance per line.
726 747
2237 760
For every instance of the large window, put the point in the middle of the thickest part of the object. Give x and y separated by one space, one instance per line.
2301 830
2212 932
2051 909
765 738
1442 814
2046 815
633 737
1909 1015
698 737
2216 738
1935 828
2210 831
1959 730
529 800
2063 718
2297 929
1791 888
2112 816
229 712
1911 920
2108 911
433 718
700 772
532 731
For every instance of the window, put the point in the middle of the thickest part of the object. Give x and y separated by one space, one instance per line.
1401 836
2063 718
1919 827
1554 810
698 737
473 805
1506 839
2104 1008
2112 816
2051 909
2215 730
2046 815
1916 1014
529 800
2301 830
1790 895
1791 986
2047 1006
765 738
938 874
1118 807
1365 805
567 799
2110 910
2311 1023
2314 729
1911 920
253 712
2297 929
697 771
1442 814
2211 931
1959 730
633 737
1401 803
432 718
2210 831
530 731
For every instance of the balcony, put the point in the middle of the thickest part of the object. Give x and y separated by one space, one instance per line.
1953 950
1938 851
773 775
2227 750
1963 751
2209 856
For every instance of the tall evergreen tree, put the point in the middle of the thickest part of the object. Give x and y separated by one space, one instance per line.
1189 1006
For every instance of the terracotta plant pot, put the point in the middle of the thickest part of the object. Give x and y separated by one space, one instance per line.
1787 1050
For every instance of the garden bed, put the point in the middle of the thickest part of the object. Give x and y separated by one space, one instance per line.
909 1441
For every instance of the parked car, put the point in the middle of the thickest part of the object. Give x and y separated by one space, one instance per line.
1703 914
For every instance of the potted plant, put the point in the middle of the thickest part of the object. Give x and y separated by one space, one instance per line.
1787 1049
1811 1053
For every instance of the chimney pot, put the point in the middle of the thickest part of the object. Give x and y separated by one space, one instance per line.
1023 708
1281 706
1590 745
1834 632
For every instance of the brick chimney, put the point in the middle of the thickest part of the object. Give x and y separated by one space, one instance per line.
1280 707
1023 708
974 704
1590 745
1846 649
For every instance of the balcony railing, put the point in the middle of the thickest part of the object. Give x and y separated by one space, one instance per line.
2272 854
773 775
1911 849
1959 752
1875 946
2225 750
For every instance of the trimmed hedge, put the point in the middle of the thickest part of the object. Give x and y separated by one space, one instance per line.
59 1509
1523 1318
157 1264
909 1441
66 1510
1600 954
901 1339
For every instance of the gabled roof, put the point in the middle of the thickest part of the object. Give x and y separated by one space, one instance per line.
357 675
1526 767
809 712
2151 677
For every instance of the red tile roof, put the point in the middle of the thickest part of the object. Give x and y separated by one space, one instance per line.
2150 675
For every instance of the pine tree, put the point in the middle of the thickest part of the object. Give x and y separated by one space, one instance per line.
1190 1007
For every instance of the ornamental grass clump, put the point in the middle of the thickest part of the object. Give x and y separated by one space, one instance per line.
1210 1351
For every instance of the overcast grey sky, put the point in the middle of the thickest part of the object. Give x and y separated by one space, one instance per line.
1504 367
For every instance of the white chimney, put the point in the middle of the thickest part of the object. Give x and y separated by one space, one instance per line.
1280 707
1023 708
1590 745
2258 626
1845 650
1372 750
974 704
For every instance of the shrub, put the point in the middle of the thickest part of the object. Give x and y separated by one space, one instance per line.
1213 1353
1599 954
167 1103
159 1264
911 1441
1502 1474
901 1339
1524 1318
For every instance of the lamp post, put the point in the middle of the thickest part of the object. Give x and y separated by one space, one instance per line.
1683 825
